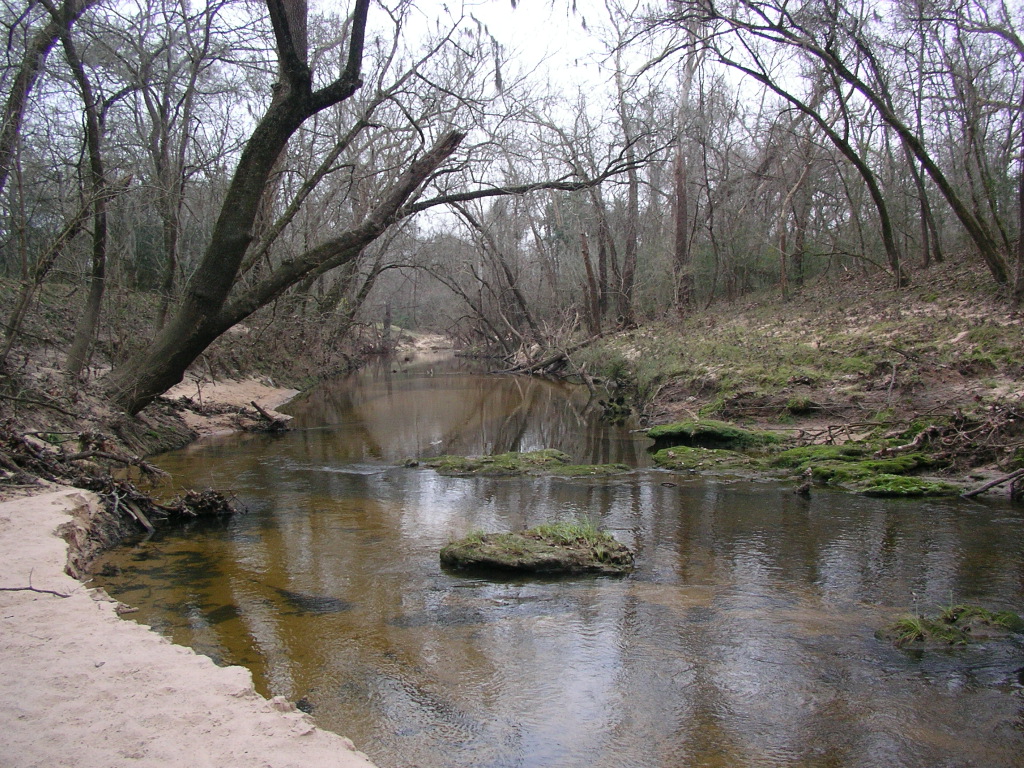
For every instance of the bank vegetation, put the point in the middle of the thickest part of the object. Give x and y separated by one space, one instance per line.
803 214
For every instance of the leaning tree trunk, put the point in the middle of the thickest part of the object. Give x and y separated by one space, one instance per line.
137 383
162 364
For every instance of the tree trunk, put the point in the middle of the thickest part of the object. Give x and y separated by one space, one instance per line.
196 324
78 355
593 293
138 382
1017 297
681 262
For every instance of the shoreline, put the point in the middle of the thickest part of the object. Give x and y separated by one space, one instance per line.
233 393
83 687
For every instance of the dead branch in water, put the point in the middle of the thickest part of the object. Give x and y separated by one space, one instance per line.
553 362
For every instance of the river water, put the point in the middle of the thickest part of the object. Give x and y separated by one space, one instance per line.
746 636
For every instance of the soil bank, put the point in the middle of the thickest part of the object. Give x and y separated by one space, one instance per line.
84 688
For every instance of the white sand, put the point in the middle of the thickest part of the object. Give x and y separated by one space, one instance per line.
82 688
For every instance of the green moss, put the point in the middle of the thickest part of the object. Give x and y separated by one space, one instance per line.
561 547
1018 459
955 625
683 458
901 464
900 486
590 470
805 456
545 461
708 433
499 464
800 405
854 466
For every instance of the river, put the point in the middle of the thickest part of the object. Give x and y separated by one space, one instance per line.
745 637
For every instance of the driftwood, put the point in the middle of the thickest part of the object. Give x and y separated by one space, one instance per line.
553 361
138 515
273 424
922 437
992 484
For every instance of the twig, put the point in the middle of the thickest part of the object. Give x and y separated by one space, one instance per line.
29 401
131 461
30 588
33 589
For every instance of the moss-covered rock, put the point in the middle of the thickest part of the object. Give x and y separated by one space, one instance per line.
855 466
808 455
708 433
685 459
897 486
547 549
512 463
589 470
543 462
956 625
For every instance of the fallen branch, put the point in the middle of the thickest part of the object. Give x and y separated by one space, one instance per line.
43 403
274 424
129 461
33 589
30 588
922 437
558 357
993 484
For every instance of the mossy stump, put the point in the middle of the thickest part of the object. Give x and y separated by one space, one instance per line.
559 548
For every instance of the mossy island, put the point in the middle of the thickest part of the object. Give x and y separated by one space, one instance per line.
554 548
888 467
953 626
546 461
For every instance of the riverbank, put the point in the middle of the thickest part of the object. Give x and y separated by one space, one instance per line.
936 366
83 687
227 398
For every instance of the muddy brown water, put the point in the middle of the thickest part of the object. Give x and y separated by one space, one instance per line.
744 638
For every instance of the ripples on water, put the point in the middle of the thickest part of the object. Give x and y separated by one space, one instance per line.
745 637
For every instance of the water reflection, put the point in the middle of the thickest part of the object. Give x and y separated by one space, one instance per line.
745 637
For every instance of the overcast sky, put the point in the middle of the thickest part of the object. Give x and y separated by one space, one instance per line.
545 30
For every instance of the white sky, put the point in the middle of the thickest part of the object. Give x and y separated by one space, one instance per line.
545 31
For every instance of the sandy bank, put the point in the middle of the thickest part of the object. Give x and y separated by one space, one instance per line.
82 688
236 393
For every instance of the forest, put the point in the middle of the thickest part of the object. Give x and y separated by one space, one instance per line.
173 173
